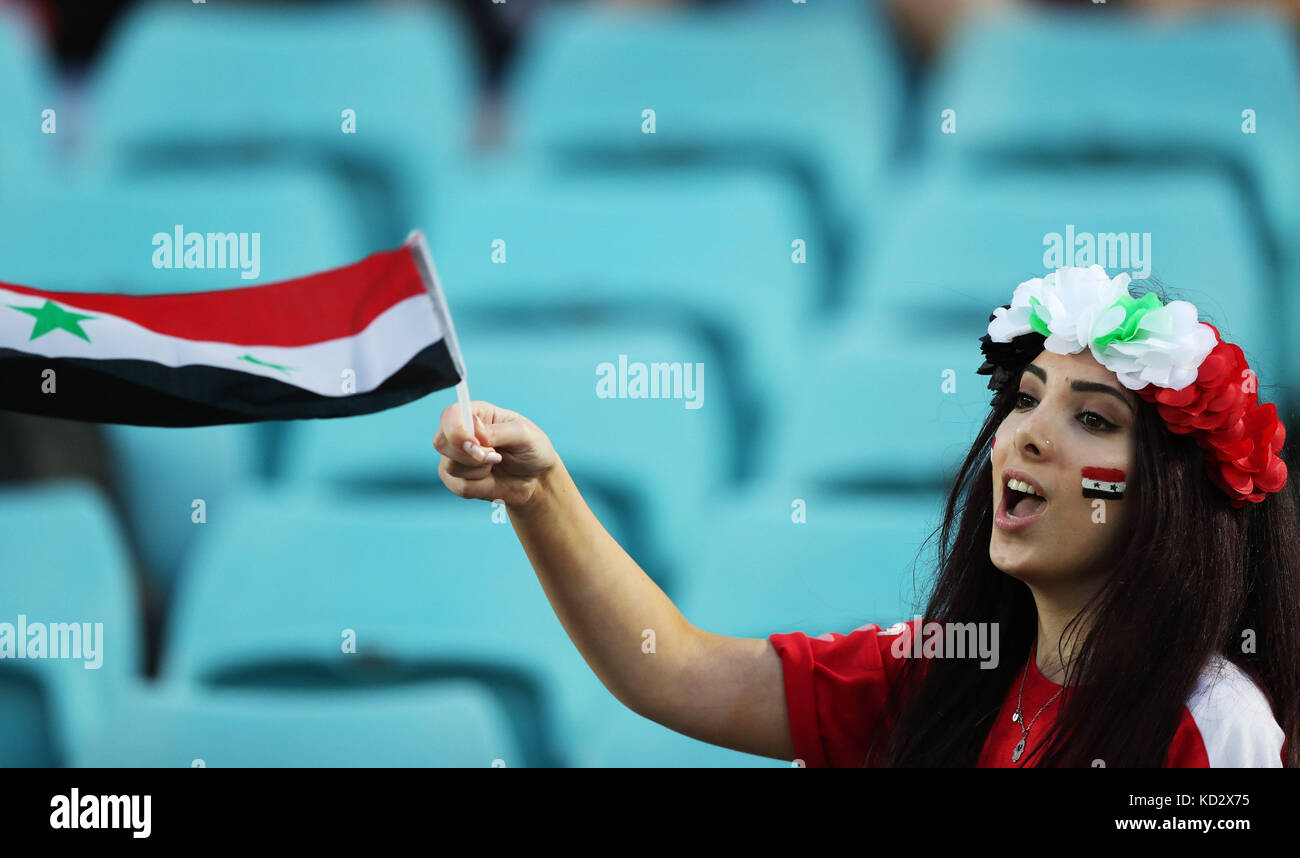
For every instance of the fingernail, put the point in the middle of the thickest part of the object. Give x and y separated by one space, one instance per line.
494 457
474 450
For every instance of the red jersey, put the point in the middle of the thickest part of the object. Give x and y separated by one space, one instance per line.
836 684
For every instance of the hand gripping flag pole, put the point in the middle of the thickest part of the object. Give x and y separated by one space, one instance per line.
429 274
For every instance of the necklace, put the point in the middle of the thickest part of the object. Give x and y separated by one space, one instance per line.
1019 717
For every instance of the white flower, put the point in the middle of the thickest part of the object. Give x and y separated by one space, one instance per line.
1170 352
1078 306
1009 324
1071 303
1006 324
1071 309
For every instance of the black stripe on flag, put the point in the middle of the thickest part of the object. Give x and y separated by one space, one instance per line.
145 393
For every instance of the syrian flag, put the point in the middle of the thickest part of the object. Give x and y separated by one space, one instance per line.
354 340
1103 483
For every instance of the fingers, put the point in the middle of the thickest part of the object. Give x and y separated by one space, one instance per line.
468 455
506 434
450 432
465 482
470 472
454 442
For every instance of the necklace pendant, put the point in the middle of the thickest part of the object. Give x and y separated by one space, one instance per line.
1020 749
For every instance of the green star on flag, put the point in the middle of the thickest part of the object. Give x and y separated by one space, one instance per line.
52 317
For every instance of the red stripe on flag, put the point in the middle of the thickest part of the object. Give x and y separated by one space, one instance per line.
1104 475
325 306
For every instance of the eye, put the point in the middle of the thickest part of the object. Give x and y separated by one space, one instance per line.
1090 419
1100 423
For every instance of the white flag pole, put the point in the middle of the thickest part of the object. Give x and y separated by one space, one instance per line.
429 274
466 413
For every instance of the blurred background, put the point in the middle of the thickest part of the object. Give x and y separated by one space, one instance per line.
814 205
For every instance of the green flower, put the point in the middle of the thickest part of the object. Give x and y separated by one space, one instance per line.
1134 310
1036 321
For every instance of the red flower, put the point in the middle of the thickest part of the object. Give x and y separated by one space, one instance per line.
1216 401
1249 478
1241 438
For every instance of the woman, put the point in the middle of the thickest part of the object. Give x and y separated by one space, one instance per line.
1122 517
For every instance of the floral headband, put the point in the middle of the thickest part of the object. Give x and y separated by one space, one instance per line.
1200 384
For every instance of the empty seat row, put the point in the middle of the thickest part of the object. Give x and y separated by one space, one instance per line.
811 94
314 599
453 723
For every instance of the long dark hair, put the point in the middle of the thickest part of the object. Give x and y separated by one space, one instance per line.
1194 577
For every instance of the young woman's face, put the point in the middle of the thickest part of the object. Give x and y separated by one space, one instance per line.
1070 414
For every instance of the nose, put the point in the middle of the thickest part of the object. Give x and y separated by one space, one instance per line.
1032 436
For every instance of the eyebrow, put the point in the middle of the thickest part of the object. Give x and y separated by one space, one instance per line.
1084 386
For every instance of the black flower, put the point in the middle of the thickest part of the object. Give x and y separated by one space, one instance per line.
1005 361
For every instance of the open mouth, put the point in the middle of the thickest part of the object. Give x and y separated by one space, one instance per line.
1022 502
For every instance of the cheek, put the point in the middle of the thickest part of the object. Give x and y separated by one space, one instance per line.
1096 524
996 455
1003 432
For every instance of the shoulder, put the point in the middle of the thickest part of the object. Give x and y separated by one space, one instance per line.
871 629
848 640
1227 722
867 654
873 644
836 689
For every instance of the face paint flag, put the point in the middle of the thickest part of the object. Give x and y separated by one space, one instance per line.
353 340
1103 483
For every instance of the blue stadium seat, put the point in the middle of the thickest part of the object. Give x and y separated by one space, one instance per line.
427 587
99 237
878 407
65 563
452 723
162 472
654 460
26 91
848 563
1059 86
1291 374
713 249
814 92
620 738
961 241
28 722
180 85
